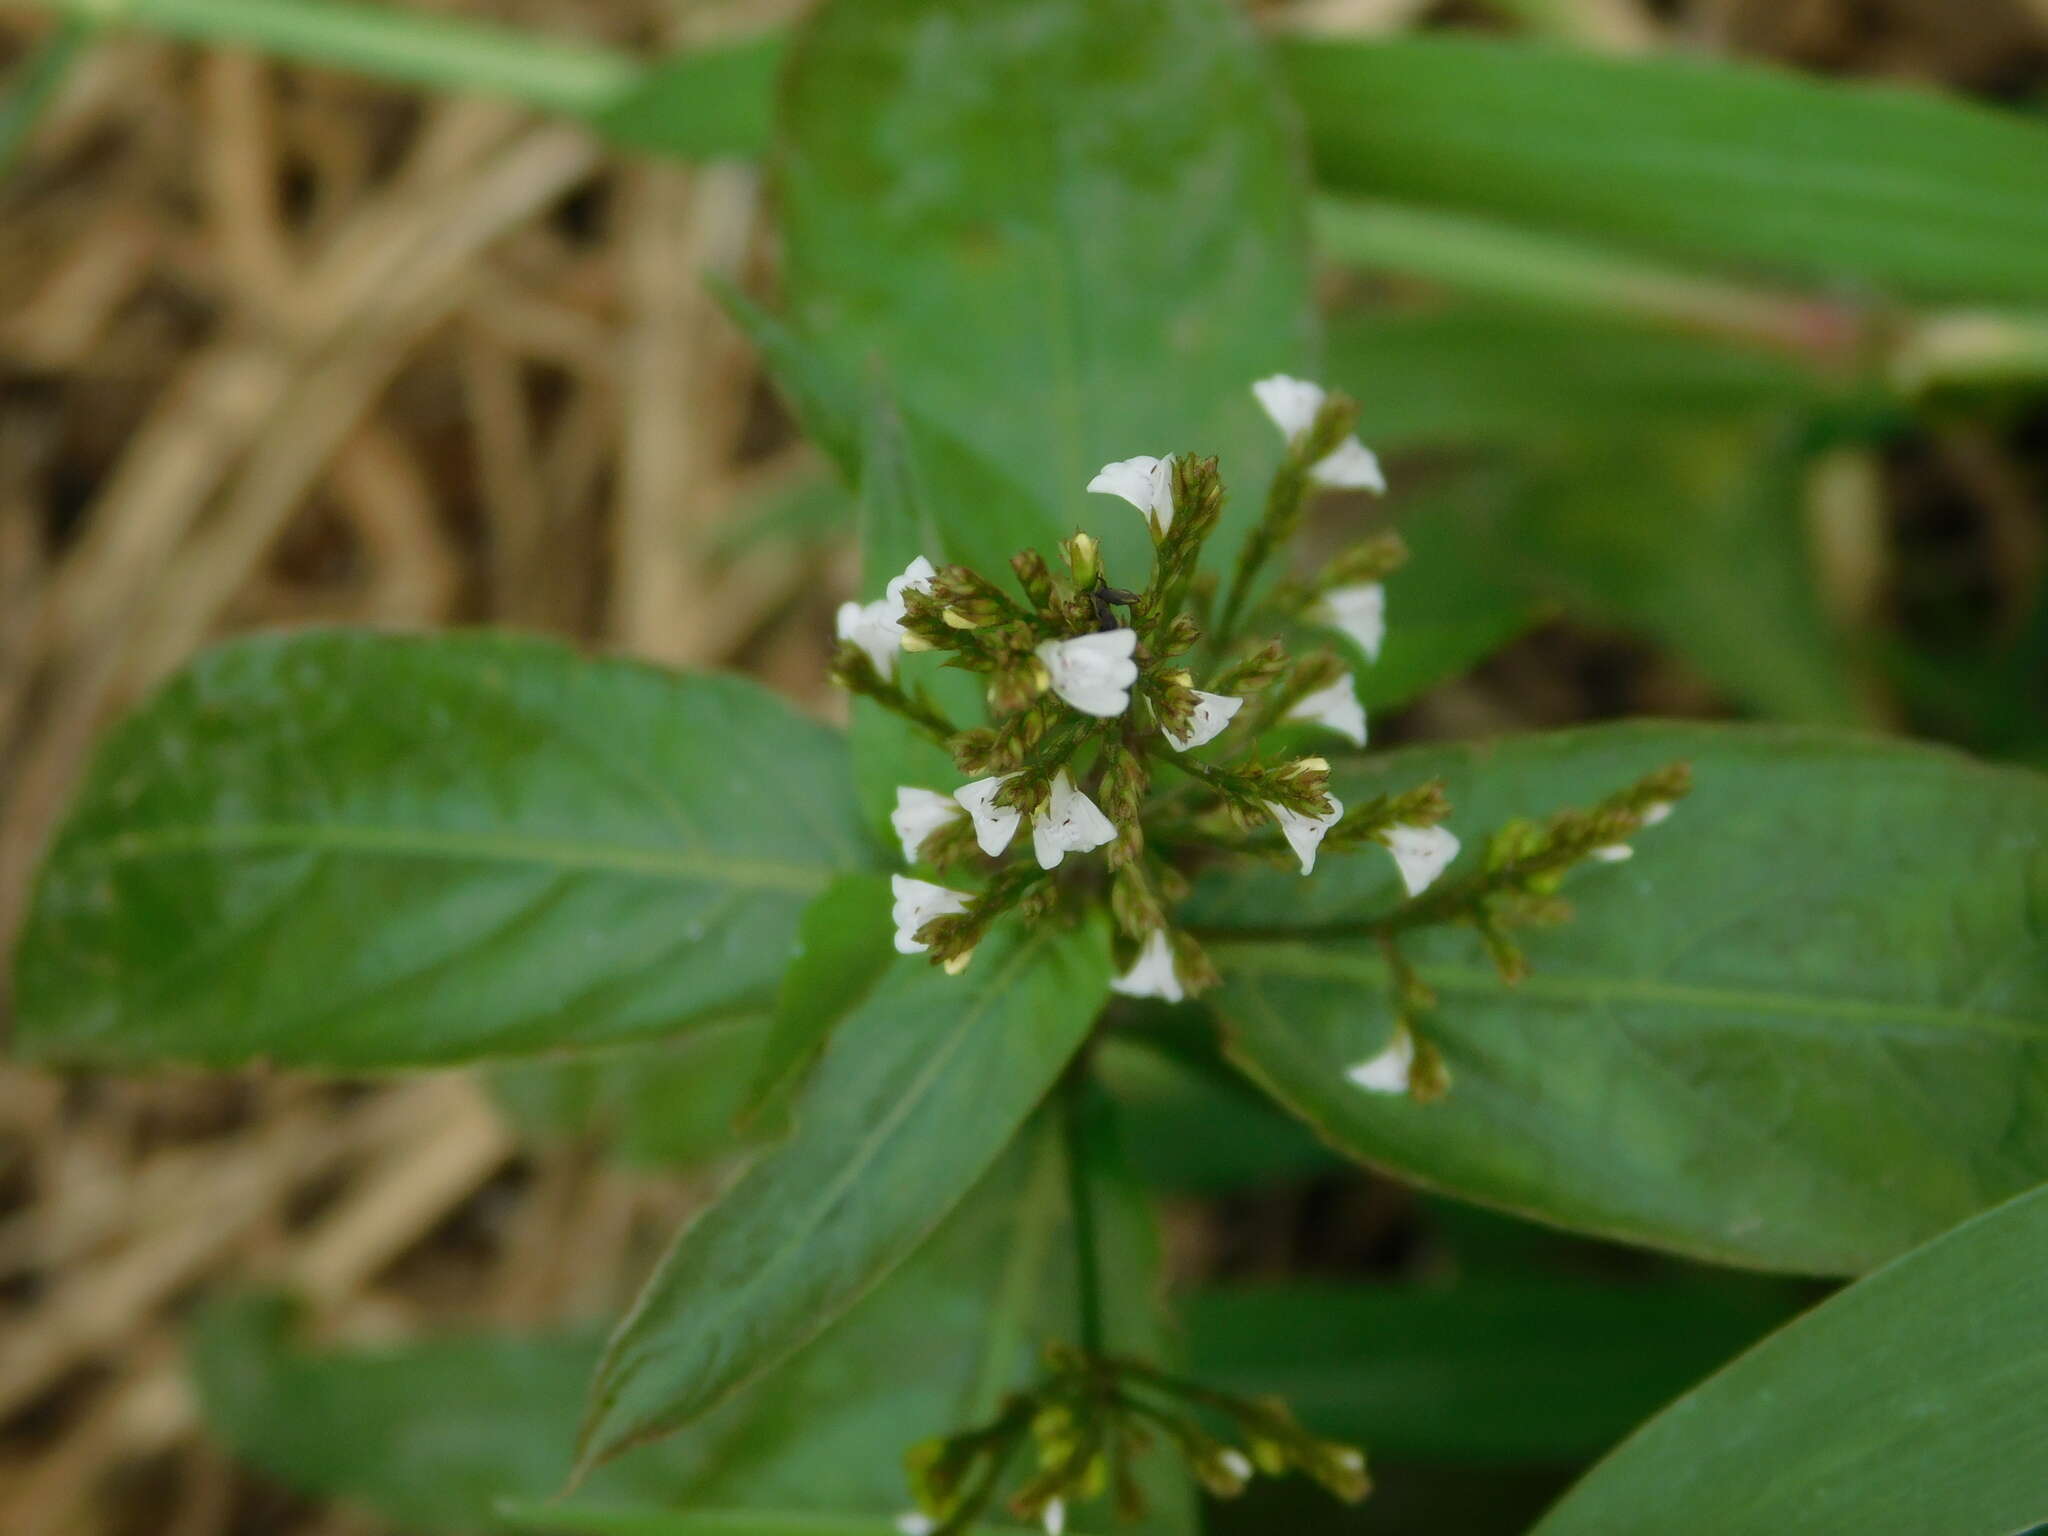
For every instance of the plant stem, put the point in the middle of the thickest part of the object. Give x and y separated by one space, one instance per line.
1087 1256
393 42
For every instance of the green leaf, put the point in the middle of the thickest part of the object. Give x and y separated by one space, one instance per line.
1506 1371
669 1104
1917 1400
358 851
1711 161
437 1435
703 104
1073 229
1461 375
35 85
843 947
921 1087
1805 1028
734 1522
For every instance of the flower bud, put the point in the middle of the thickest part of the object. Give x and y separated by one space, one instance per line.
1084 559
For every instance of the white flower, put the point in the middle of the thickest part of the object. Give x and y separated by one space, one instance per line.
877 627
1145 482
1388 1071
918 814
1093 673
915 1522
1304 834
1612 853
1152 973
1656 813
917 903
1054 1516
1335 707
1360 611
994 825
1213 711
1292 404
1236 1463
1421 854
1069 822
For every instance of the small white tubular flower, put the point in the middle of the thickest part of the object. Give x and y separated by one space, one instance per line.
918 814
1336 708
1152 973
1360 611
1304 834
1093 673
1145 482
1292 404
1213 711
1656 813
1612 853
1421 854
1388 1071
1069 823
994 825
877 627
917 903
1054 1516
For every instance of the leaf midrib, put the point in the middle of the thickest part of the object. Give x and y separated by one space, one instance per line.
1310 962
412 842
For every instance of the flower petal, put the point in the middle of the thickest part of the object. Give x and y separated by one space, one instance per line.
994 825
1349 466
1336 708
1304 834
918 814
1213 712
1360 611
1388 1071
1152 974
1290 403
1421 854
1145 482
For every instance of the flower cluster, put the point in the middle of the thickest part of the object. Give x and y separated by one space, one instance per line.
1084 1424
1092 690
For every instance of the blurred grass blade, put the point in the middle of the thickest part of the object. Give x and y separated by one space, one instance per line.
1917 1400
710 103
35 84
1723 163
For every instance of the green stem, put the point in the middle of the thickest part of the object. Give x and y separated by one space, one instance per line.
394 42
1087 1254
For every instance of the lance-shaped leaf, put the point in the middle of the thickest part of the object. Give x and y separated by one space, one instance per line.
1916 1400
1804 1028
359 851
920 1089
1074 230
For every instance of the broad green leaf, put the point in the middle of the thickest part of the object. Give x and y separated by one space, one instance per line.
735 1522
1706 161
438 1435
921 1087
1805 1028
843 947
1501 1371
668 1104
702 104
1061 259
357 851
1916 1400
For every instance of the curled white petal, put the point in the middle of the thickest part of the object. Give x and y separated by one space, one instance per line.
1152 973
1349 466
918 814
1360 611
1421 854
1612 853
994 825
1068 823
1335 707
917 903
1213 711
1304 834
1656 812
1290 403
1388 1071
1145 482
877 627
1093 673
